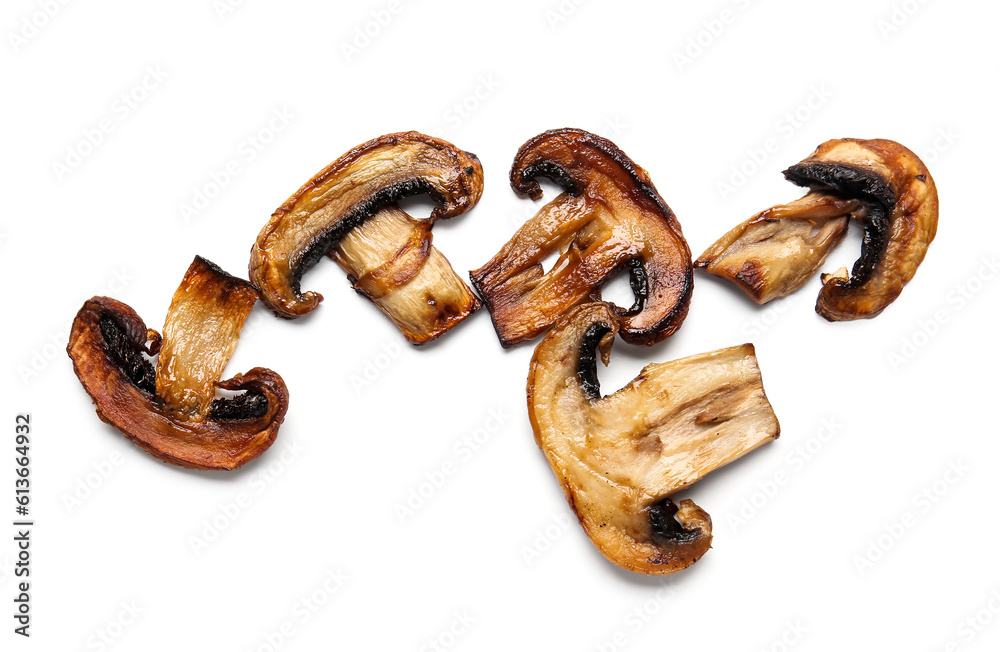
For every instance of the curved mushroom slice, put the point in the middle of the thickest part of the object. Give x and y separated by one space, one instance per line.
609 219
172 413
620 458
901 219
348 211
774 252
898 205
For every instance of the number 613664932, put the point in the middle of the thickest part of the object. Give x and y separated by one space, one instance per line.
22 461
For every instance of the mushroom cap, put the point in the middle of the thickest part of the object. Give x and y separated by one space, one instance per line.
900 223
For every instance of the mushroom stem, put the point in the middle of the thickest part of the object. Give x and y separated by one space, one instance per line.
777 250
391 260
202 329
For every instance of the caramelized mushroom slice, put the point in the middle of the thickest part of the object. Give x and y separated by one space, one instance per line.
774 252
897 202
173 414
620 458
609 219
348 211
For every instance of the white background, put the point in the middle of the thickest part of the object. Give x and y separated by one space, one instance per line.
807 565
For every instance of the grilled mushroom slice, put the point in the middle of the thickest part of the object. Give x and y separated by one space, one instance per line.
173 413
774 252
877 182
609 219
349 212
620 458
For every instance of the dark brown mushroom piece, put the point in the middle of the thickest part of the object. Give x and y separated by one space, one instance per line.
349 211
878 183
609 219
173 413
621 458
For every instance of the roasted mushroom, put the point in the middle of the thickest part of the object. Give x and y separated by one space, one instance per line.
877 182
774 252
609 219
620 458
349 212
173 413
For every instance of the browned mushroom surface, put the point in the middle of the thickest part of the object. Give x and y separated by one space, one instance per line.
777 250
620 458
879 183
173 413
610 219
349 212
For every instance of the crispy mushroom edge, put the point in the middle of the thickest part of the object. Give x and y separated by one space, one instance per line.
636 232
360 187
619 458
110 346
